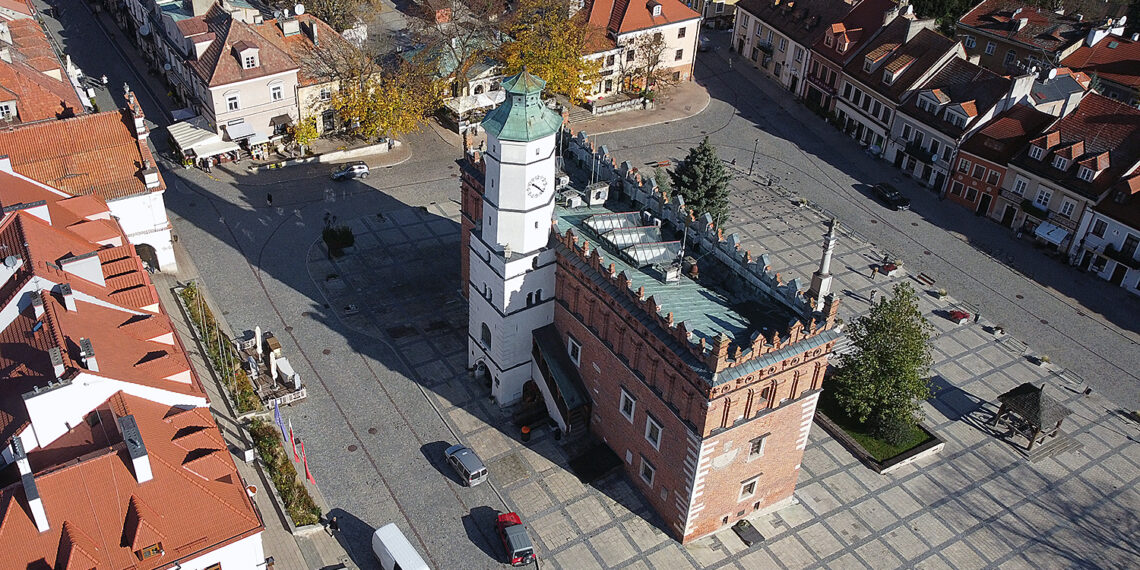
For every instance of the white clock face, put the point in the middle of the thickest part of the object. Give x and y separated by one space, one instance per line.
536 186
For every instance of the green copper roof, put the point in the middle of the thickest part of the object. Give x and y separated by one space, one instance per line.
523 116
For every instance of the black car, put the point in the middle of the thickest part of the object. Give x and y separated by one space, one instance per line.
891 196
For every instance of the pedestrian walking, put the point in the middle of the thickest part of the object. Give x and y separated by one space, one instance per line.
874 271
977 317
334 526
268 199
873 293
104 80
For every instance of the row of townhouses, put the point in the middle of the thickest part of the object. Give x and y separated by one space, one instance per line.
1048 150
248 77
109 455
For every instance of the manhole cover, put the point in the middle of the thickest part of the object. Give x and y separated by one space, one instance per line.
288 328
1044 322
915 224
874 221
326 351
352 448
926 252
1020 296
372 431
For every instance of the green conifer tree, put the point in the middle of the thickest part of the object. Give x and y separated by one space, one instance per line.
703 181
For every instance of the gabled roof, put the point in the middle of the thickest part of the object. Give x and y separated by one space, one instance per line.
624 16
1123 202
918 55
1043 29
1113 58
219 65
1004 135
802 21
1100 125
973 90
300 46
25 76
99 514
90 154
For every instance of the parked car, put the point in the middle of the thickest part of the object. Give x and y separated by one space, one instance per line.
520 550
703 44
891 196
356 169
467 465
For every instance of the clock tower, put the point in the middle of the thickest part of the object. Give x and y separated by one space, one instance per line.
511 264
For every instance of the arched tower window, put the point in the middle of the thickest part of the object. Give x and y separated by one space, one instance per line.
538 296
486 333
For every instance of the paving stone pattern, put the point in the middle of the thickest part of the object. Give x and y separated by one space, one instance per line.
979 504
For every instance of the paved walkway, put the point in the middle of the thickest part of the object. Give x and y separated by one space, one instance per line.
314 549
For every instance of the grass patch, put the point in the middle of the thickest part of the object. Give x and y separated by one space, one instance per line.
298 503
878 448
222 355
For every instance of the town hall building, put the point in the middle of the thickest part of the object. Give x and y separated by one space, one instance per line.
634 319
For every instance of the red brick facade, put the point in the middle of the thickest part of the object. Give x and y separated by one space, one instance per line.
703 459
471 194
967 190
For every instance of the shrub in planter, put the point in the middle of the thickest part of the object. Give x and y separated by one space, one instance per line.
298 503
893 429
337 238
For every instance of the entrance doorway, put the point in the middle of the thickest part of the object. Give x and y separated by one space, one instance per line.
1118 274
1008 215
984 206
939 180
899 158
795 81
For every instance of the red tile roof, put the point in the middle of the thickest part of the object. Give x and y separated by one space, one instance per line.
960 83
1114 59
99 514
1100 125
921 53
625 16
300 46
1004 135
1043 29
219 64
803 21
90 154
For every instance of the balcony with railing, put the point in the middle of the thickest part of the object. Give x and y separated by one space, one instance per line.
915 149
1126 258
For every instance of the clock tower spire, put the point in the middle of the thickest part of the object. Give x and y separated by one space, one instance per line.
511 264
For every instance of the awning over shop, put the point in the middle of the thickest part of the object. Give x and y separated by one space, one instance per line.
189 134
281 120
183 114
461 105
258 138
215 148
1051 233
240 131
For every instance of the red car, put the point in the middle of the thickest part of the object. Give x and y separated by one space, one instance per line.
520 550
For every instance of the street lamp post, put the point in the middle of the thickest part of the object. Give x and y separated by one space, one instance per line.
753 163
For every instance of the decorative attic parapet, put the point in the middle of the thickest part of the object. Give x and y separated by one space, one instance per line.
755 278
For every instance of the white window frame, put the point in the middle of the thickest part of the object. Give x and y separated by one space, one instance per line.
969 42
783 44
1060 163
651 423
647 466
868 64
1020 185
1102 225
249 61
1085 173
1036 152
990 48
748 488
233 102
828 40
1067 208
627 397
326 94
276 92
907 132
7 111
1048 197
763 441
964 166
574 351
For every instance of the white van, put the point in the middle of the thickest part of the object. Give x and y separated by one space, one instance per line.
394 551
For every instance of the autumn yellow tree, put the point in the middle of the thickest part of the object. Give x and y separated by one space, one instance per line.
305 131
552 45
391 104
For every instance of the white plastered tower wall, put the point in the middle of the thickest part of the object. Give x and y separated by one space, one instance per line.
512 270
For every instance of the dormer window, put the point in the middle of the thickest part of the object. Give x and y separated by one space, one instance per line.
927 105
842 47
828 40
247 54
955 119
654 8
1060 163
888 77
868 64
1036 152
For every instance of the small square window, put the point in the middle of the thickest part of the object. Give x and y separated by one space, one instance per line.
678 55
1036 152
979 171
628 405
574 349
152 550
653 432
993 178
964 166
1099 227
681 33
756 447
748 489
990 47
1019 186
956 188
971 195
648 472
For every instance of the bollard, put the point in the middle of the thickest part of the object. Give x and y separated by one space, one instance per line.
525 434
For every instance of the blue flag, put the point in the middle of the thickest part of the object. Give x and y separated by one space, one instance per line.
277 420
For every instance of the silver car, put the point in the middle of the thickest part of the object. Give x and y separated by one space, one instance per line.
467 465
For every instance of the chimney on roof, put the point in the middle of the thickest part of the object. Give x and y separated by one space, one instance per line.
68 296
289 26
1095 35
136 448
150 175
913 26
1021 23
890 15
5 33
87 353
28 479
86 266
56 356
37 304
311 29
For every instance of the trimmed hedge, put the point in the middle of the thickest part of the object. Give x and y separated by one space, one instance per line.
298 503
223 358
